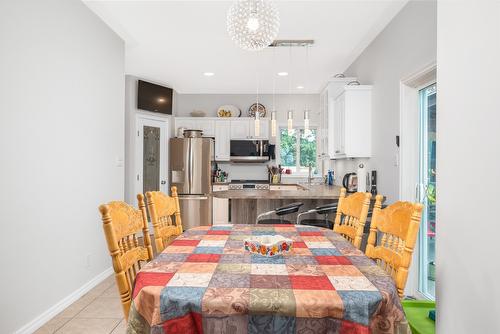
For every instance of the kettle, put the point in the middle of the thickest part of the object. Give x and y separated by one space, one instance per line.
350 182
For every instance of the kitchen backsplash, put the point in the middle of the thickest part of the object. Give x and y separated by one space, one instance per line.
245 171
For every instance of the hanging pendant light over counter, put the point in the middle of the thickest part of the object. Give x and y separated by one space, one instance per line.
257 124
290 122
306 122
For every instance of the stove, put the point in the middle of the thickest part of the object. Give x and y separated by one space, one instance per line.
249 184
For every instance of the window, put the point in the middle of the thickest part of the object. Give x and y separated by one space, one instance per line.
298 150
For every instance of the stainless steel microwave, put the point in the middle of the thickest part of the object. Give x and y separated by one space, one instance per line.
249 150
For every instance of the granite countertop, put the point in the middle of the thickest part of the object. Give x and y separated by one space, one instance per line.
308 191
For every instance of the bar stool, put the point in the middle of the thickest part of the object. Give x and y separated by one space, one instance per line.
280 212
321 210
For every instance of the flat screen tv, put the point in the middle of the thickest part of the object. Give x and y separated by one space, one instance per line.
154 98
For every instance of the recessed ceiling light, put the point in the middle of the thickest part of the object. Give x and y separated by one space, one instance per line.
282 74
300 87
208 74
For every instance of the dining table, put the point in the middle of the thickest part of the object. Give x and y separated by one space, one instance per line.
206 282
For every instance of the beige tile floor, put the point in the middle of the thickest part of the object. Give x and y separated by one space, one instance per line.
97 312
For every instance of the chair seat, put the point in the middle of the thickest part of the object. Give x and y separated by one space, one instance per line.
317 223
274 221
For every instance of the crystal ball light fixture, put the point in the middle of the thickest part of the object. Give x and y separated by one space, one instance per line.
253 24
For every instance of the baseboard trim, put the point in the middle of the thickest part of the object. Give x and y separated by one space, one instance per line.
43 318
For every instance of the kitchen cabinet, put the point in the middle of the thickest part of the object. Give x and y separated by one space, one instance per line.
222 140
345 121
240 129
245 129
207 125
220 206
351 123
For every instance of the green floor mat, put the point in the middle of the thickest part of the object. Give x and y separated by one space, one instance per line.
417 314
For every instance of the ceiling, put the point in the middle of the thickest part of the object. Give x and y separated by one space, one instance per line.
175 42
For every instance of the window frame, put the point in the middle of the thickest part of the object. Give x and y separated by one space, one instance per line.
299 170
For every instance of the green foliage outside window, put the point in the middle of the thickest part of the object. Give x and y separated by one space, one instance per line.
288 148
305 153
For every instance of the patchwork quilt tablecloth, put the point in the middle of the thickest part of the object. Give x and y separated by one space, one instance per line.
205 282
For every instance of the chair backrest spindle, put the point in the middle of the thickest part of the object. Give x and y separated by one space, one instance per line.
161 210
393 233
121 222
351 216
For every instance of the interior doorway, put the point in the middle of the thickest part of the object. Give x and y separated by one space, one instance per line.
151 154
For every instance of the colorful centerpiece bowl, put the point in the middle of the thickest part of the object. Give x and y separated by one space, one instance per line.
268 245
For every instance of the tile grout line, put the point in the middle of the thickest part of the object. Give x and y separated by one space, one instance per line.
83 308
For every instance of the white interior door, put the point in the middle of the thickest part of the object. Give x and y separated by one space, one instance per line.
151 154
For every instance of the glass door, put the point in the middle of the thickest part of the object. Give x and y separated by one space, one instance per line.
427 184
151 155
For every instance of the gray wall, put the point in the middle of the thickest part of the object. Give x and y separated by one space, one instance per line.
405 46
468 142
61 140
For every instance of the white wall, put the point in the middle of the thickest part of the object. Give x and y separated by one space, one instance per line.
61 135
468 143
406 45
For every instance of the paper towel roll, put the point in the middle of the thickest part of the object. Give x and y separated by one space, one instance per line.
361 172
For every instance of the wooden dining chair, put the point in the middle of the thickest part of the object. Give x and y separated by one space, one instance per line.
351 216
122 223
165 214
393 232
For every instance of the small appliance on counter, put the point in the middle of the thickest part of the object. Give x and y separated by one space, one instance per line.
350 182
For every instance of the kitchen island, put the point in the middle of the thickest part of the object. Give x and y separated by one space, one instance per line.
245 205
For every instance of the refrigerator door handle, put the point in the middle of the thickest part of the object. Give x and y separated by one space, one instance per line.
190 165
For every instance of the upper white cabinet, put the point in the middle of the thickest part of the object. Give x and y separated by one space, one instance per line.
207 125
240 129
222 140
352 115
345 127
244 128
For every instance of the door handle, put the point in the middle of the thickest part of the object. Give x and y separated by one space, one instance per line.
163 182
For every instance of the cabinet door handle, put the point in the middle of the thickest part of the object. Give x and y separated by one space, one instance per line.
337 151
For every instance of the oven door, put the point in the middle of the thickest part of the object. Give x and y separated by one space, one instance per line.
249 150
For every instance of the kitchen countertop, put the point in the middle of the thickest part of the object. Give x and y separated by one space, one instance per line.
308 191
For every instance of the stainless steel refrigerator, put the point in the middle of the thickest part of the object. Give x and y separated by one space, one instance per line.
191 161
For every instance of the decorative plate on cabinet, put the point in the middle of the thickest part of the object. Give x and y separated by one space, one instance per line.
253 109
228 110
